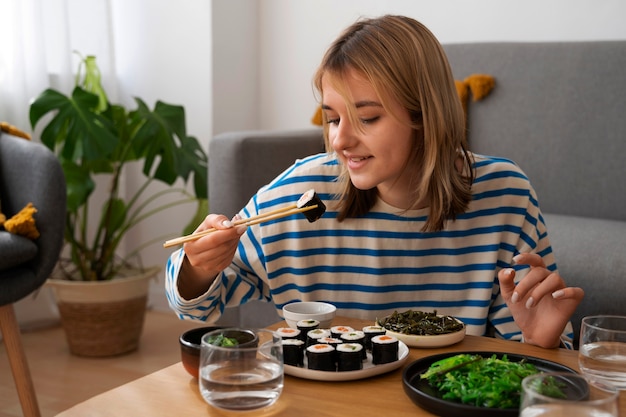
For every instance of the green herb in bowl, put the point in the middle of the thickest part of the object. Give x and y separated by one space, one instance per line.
223 341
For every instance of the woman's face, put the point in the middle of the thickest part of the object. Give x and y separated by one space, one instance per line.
376 152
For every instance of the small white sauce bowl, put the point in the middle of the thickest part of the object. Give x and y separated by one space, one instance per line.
303 310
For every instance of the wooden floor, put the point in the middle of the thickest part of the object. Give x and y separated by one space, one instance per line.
62 379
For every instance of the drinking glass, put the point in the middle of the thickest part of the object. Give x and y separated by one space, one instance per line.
567 394
241 377
602 350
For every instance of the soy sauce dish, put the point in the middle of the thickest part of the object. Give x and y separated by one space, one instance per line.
423 329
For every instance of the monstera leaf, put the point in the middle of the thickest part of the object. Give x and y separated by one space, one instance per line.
93 137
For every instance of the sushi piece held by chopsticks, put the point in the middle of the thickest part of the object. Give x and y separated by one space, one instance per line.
310 199
309 204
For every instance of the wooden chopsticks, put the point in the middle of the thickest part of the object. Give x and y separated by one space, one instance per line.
270 215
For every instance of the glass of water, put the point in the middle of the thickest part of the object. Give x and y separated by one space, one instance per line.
567 394
241 377
602 350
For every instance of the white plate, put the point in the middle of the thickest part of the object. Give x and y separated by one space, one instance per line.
439 340
368 370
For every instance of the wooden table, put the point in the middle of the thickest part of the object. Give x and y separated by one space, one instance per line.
172 392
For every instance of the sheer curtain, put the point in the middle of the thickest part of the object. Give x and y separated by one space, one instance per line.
37 40
154 49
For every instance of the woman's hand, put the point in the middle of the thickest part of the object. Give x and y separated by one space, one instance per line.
540 303
207 256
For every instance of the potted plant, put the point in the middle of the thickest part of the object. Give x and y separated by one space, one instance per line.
96 142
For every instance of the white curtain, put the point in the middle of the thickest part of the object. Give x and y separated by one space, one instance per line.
37 40
154 49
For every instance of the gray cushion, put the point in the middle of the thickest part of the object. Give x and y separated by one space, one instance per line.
241 162
557 109
15 250
590 254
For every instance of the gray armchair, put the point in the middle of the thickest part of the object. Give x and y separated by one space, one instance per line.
29 172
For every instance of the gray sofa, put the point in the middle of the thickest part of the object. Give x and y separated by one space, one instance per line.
558 110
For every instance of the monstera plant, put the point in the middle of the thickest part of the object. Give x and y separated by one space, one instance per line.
96 142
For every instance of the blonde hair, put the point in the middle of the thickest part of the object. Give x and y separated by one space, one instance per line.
404 62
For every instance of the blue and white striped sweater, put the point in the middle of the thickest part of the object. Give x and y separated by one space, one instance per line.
370 266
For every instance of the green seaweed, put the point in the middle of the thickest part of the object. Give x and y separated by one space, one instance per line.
420 323
484 382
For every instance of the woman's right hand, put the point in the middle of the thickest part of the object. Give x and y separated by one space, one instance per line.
207 256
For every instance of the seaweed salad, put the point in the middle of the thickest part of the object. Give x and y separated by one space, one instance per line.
420 323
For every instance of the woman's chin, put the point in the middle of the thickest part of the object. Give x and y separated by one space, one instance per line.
361 184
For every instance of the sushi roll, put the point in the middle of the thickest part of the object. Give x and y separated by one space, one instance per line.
349 357
334 342
337 331
330 341
371 331
308 199
293 352
320 357
313 336
288 333
384 349
305 326
356 336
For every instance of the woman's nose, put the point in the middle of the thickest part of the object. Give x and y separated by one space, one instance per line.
342 136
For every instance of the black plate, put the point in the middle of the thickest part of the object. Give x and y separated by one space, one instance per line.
422 394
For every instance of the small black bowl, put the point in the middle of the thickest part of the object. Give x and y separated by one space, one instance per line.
190 348
191 340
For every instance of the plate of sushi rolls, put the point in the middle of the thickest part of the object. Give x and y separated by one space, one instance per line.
341 353
422 329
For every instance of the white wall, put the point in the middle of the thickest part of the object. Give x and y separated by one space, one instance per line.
163 51
235 28
295 34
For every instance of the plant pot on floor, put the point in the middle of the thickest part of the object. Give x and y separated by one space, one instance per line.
103 318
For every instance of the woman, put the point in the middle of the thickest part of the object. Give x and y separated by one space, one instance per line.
415 220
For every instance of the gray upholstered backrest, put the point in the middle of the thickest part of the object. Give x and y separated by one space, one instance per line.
29 172
242 162
559 111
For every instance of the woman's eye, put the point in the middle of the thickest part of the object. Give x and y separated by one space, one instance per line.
365 121
369 120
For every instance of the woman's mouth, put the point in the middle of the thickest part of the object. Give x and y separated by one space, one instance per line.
356 162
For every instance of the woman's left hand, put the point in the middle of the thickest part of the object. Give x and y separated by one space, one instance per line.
540 303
